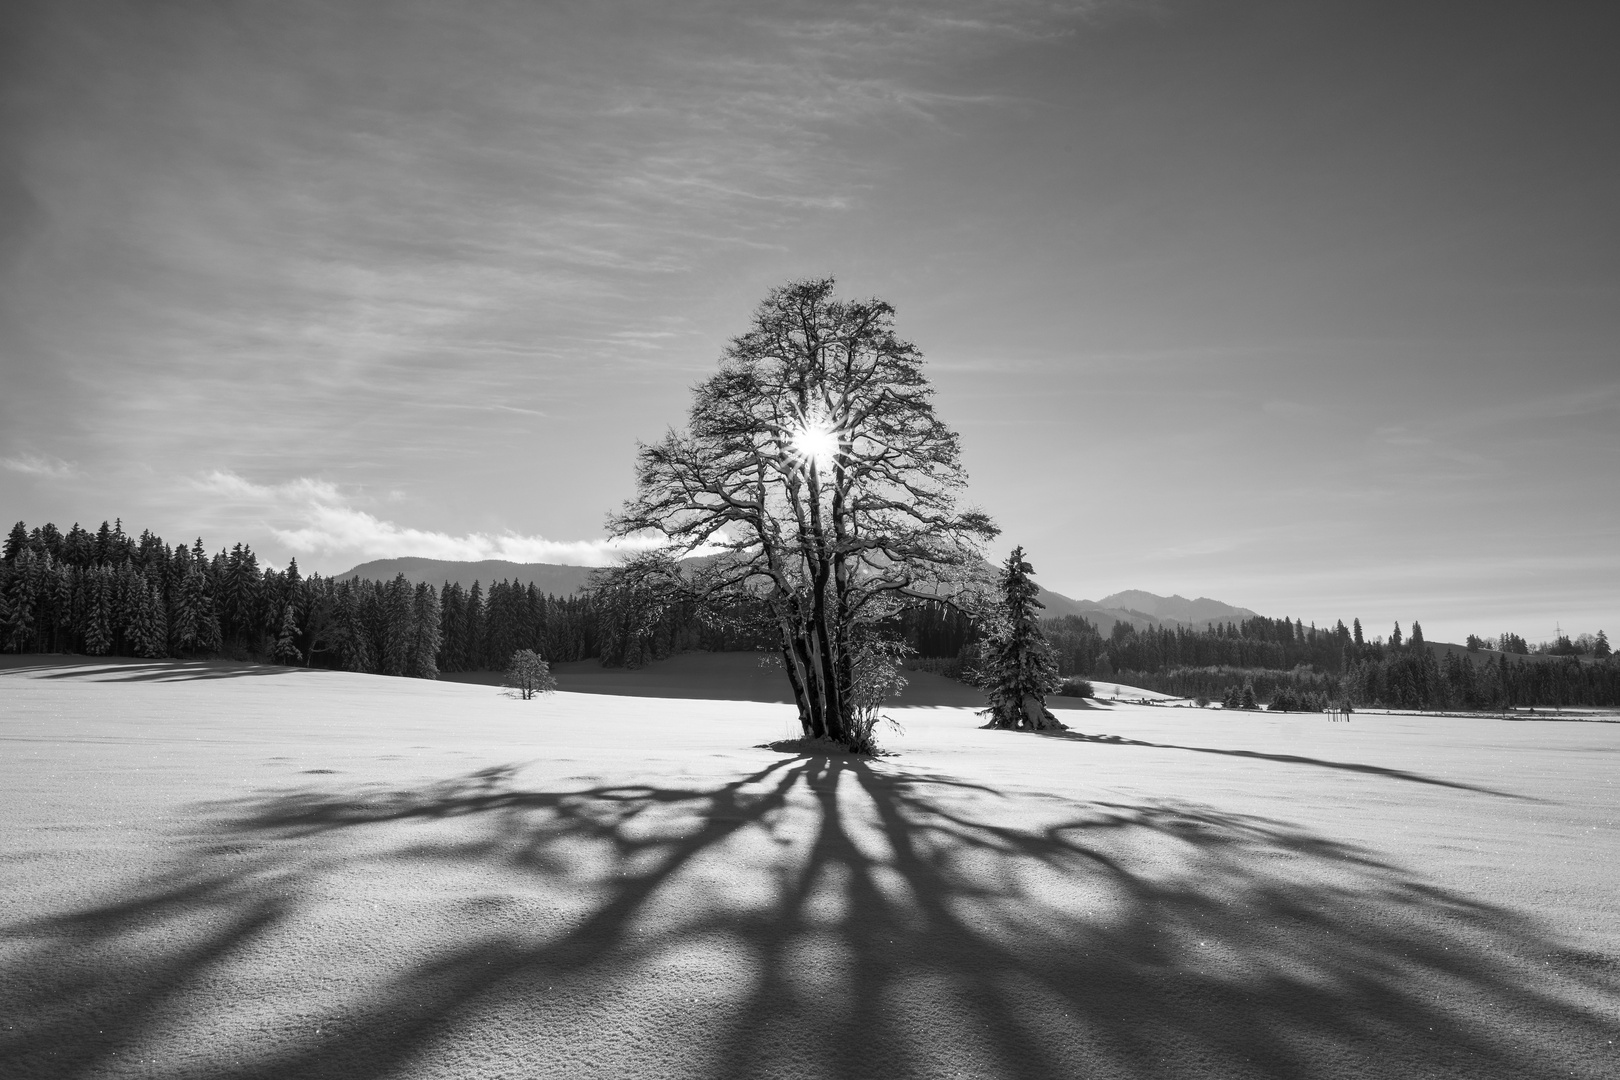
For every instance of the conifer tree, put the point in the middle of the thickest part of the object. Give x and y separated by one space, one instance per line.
98 614
185 597
16 541
78 547
353 642
1600 647
474 632
1359 640
145 633
399 635
1020 671
22 601
285 650
70 606
425 643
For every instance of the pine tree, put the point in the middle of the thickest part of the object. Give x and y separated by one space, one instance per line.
17 633
1600 647
1359 640
354 644
1395 638
146 634
425 646
474 632
78 547
1416 640
98 613
16 541
70 607
184 599
1021 670
285 650
399 635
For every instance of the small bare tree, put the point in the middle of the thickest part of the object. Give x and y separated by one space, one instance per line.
529 675
821 488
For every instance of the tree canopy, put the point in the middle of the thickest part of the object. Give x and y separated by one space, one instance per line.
819 490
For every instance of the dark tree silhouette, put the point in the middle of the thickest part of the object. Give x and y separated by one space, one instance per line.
1020 671
286 648
817 477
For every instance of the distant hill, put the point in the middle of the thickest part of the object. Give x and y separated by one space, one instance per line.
1141 609
554 579
1179 609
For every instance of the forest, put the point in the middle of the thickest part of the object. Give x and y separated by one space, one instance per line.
106 593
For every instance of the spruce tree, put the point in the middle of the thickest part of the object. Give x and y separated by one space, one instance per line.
1021 670
183 604
399 633
1600 647
98 615
425 644
354 642
285 650
145 632
473 635
17 633
16 541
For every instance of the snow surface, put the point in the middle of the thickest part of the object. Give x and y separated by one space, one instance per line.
227 871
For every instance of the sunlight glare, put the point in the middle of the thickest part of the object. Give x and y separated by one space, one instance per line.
817 441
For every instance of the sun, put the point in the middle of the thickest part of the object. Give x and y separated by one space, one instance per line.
816 441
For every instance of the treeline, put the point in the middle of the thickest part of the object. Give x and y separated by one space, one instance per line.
1284 661
107 593
1283 658
1258 643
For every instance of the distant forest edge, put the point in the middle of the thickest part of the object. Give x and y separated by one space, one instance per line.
1133 606
109 594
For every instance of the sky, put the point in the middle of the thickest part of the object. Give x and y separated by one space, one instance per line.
1310 307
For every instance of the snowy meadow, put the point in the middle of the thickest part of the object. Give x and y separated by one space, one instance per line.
217 870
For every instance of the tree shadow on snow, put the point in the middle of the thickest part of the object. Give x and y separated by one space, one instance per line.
120 670
1290 759
880 922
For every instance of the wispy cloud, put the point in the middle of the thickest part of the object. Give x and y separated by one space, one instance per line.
32 464
312 516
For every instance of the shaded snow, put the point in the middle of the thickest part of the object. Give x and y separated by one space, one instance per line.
227 871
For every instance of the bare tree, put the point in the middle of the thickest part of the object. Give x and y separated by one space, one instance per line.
821 489
529 675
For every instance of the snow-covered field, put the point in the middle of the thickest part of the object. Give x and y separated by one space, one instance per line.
229 872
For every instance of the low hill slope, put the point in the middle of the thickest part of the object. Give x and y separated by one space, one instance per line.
554 579
1176 608
1139 608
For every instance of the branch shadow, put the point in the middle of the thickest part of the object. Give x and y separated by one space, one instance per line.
1291 759
150 670
876 922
